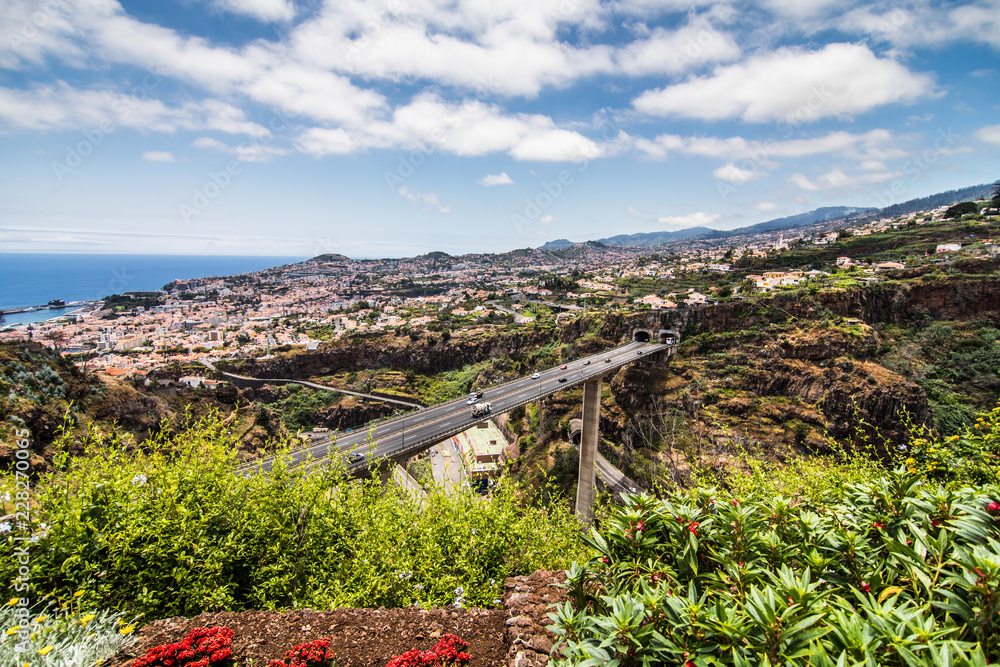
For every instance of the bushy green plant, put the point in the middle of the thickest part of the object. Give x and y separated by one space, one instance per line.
971 456
893 571
175 531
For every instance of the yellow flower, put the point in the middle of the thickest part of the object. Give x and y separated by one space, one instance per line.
41 619
46 650
13 601
14 630
127 630
87 619
77 594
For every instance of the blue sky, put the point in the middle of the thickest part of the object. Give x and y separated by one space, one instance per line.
396 127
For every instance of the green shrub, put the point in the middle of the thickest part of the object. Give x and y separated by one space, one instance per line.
886 570
175 531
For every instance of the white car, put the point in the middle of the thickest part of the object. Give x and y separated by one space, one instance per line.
472 400
535 376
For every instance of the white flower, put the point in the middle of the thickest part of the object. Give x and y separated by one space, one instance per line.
6 497
5 527
139 479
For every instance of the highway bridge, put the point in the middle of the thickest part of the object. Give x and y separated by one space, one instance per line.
410 433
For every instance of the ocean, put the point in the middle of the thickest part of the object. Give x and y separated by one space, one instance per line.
35 279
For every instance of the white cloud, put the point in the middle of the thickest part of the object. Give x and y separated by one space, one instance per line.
672 52
428 199
835 179
764 206
495 179
793 86
264 10
209 142
545 219
990 134
730 172
754 155
62 107
467 128
923 24
158 156
881 176
691 220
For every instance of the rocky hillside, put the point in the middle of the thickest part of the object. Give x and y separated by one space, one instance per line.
785 374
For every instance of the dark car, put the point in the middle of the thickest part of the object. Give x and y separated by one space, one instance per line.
355 457
562 379
608 360
479 394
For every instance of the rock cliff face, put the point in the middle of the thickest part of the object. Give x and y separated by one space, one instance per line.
878 303
399 353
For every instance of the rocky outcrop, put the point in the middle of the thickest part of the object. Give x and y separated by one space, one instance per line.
399 353
527 601
878 303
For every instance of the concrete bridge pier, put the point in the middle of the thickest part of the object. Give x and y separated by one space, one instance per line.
585 489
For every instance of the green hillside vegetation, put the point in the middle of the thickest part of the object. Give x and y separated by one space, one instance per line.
175 530
905 244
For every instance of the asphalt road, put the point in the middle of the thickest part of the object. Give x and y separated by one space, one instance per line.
415 431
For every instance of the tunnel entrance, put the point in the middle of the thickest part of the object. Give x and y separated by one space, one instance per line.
642 335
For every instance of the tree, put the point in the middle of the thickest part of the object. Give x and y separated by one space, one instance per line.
995 202
958 210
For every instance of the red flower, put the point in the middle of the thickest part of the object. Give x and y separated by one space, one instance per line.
865 587
878 525
735 503
693 527
639 526
993 507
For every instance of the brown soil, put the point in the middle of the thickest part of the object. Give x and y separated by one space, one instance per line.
359 637
516 636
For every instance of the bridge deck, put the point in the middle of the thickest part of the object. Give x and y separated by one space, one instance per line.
409 434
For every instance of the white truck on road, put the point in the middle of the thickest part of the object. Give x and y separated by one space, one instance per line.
481 409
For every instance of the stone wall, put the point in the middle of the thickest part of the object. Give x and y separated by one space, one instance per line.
526 600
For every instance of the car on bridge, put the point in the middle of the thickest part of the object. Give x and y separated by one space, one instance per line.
562 379
355 457
472 400
608 360
563 367
587 362
535 376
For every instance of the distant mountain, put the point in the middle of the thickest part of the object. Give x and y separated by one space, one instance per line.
946 198
640 240
823 214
